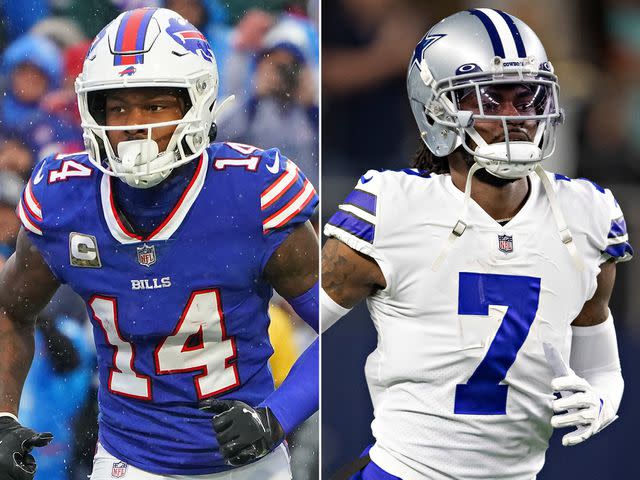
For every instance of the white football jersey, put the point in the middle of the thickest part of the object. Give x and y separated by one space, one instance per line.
459 380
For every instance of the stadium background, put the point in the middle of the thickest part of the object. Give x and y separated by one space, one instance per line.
42 46
366 123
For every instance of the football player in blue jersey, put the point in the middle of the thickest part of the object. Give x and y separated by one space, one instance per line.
487 278
175 244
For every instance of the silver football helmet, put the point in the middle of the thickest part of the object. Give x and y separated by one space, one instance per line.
459 75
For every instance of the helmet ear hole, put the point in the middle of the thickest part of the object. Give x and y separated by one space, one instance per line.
185 145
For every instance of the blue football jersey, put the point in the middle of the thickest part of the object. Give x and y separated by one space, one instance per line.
181 314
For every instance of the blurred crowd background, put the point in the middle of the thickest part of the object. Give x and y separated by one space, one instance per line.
367 123
267 53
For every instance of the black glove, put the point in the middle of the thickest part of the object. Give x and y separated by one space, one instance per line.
244 433
16 441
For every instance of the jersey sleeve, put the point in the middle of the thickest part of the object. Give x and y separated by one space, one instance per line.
357 217
616 245
287 197
29 209
358 220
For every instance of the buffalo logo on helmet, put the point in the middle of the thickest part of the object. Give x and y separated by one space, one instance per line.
505 243
119 470
190 38
127 71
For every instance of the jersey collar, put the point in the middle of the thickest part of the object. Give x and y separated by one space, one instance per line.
169 225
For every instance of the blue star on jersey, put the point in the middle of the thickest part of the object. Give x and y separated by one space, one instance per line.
192 323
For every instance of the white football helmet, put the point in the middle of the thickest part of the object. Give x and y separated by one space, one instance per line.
148 47
469 55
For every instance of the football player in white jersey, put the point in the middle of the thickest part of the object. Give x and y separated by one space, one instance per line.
487 278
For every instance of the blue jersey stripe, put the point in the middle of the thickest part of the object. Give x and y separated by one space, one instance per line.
517 38
595 185
498 48
363 200
618 228
619 250
353 225
417 173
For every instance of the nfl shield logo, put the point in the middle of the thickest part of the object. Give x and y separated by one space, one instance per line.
118 470
147 255
505 243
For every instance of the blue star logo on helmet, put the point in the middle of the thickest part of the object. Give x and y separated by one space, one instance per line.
190 38
425 43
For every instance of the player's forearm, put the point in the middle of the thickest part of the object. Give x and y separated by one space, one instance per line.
349 277
594 357
297 398
16 354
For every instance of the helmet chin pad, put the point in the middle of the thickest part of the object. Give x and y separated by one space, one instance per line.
510 161
136 158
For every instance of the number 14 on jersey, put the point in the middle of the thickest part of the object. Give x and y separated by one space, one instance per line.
199 343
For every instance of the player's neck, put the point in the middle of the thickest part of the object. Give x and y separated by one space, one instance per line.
145 209
499 201
166 192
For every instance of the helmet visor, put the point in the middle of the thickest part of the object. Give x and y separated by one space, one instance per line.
524 99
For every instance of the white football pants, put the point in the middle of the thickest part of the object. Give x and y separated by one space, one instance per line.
274 466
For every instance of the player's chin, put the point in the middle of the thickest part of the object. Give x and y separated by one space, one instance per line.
485 177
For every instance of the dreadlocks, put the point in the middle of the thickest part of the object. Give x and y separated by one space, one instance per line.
423 159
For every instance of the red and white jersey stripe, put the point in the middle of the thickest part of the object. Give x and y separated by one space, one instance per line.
291 209
280 186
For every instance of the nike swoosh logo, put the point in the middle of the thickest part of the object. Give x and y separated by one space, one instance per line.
276 164
39 176
364 179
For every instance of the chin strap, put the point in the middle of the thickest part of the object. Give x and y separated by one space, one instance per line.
460 225
563 229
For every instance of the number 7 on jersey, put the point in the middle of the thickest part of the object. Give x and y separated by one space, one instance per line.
483 394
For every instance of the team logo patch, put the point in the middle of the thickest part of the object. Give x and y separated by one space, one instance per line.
119 470
505 243
83 251
128 71
190 38
146 255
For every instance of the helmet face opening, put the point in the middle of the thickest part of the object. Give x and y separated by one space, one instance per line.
97 100
526 99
